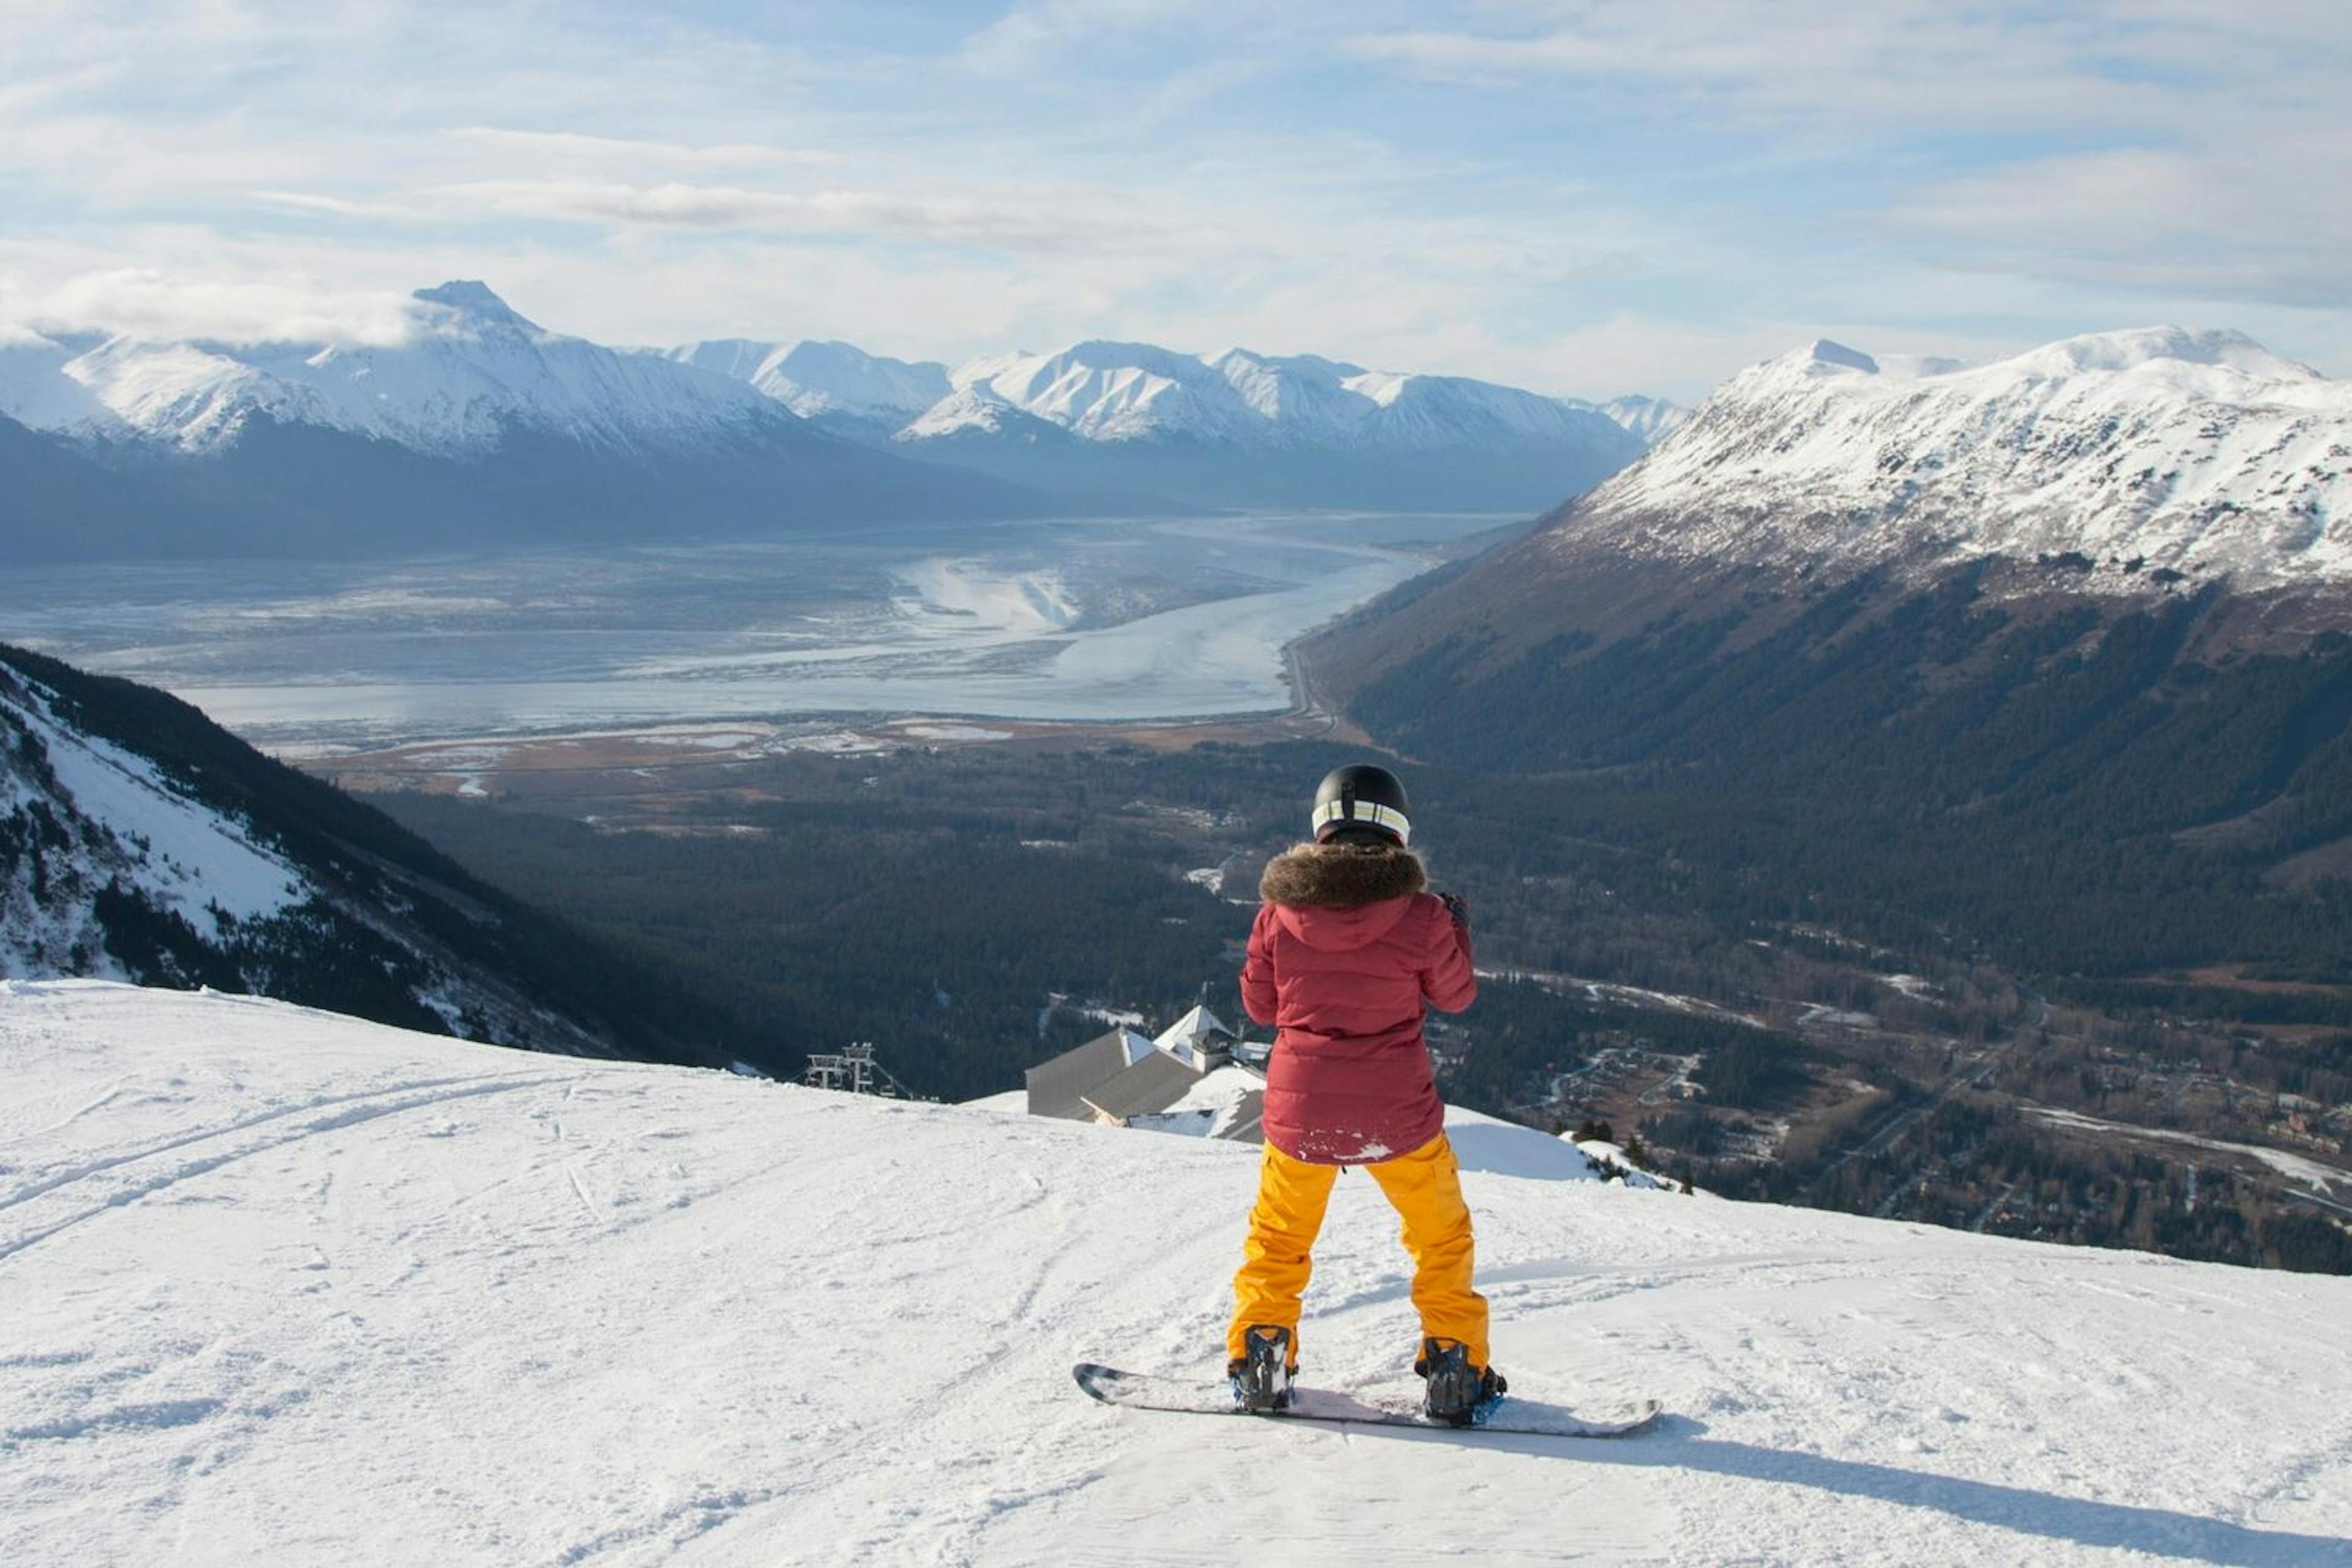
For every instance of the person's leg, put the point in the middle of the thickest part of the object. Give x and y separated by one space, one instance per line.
1291 1199
1425 1186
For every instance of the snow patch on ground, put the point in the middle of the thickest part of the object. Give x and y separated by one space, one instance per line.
952 733
2320 1178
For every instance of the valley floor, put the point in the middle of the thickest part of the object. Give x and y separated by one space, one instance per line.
284 1288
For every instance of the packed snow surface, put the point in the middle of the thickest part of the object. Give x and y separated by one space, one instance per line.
2144 452
287 1288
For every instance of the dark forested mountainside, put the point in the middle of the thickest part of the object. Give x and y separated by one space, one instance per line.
2084 785
974 911
2077 855
389 928
941 925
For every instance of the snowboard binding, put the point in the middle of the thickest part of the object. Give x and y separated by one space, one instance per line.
1262 1377
1458 1394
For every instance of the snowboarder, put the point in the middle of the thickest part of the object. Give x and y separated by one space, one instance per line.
1348 947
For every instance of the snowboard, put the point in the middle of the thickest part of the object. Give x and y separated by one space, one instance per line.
1134 1391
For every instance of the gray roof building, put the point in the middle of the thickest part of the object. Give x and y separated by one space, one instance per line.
1122 1077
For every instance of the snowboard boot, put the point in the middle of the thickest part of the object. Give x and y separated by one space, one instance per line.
1457 1393
1261 1378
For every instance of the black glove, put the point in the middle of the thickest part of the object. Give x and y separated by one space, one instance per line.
1458 906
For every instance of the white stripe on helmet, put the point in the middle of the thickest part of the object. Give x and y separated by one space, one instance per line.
1366 812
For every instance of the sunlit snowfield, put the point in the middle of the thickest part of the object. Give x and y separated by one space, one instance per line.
1101 620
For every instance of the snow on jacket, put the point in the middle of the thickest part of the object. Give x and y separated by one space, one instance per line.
1348 948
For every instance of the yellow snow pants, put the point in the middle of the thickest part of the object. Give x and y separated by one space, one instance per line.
1425 1188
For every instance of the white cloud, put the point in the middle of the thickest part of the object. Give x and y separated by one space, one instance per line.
1894 65
578 147
1042 221
1034 33
2229 222
284 308
1305 177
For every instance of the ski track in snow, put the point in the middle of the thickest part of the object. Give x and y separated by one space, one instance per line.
284 1288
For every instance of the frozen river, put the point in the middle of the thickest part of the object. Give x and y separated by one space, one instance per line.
1102 620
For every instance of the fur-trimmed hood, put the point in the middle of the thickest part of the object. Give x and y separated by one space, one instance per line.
1336 876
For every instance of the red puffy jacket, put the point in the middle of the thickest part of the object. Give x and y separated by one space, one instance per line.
1347 950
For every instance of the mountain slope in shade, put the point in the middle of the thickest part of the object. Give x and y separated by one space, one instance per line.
287 1288
140 841
2195 453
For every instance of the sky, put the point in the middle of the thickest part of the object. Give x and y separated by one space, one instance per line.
1587 197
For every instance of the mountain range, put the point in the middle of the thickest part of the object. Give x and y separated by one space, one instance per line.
1241 428
480 428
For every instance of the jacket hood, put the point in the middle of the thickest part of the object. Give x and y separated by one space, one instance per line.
1342 896
1340 876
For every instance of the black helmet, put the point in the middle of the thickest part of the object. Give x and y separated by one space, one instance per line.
1360 801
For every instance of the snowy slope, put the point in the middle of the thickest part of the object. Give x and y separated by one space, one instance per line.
2197 453
470 370
1650 418
817 379
79 815
1113 391
284 1288
35 390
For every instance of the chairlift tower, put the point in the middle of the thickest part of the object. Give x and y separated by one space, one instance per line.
853 1071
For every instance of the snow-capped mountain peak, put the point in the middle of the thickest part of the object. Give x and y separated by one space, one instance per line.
1820 358
813 378
475 304
1650 418
2193 453
2143 347
819 379
472 370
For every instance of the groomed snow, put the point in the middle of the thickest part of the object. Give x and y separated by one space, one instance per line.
285 1289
